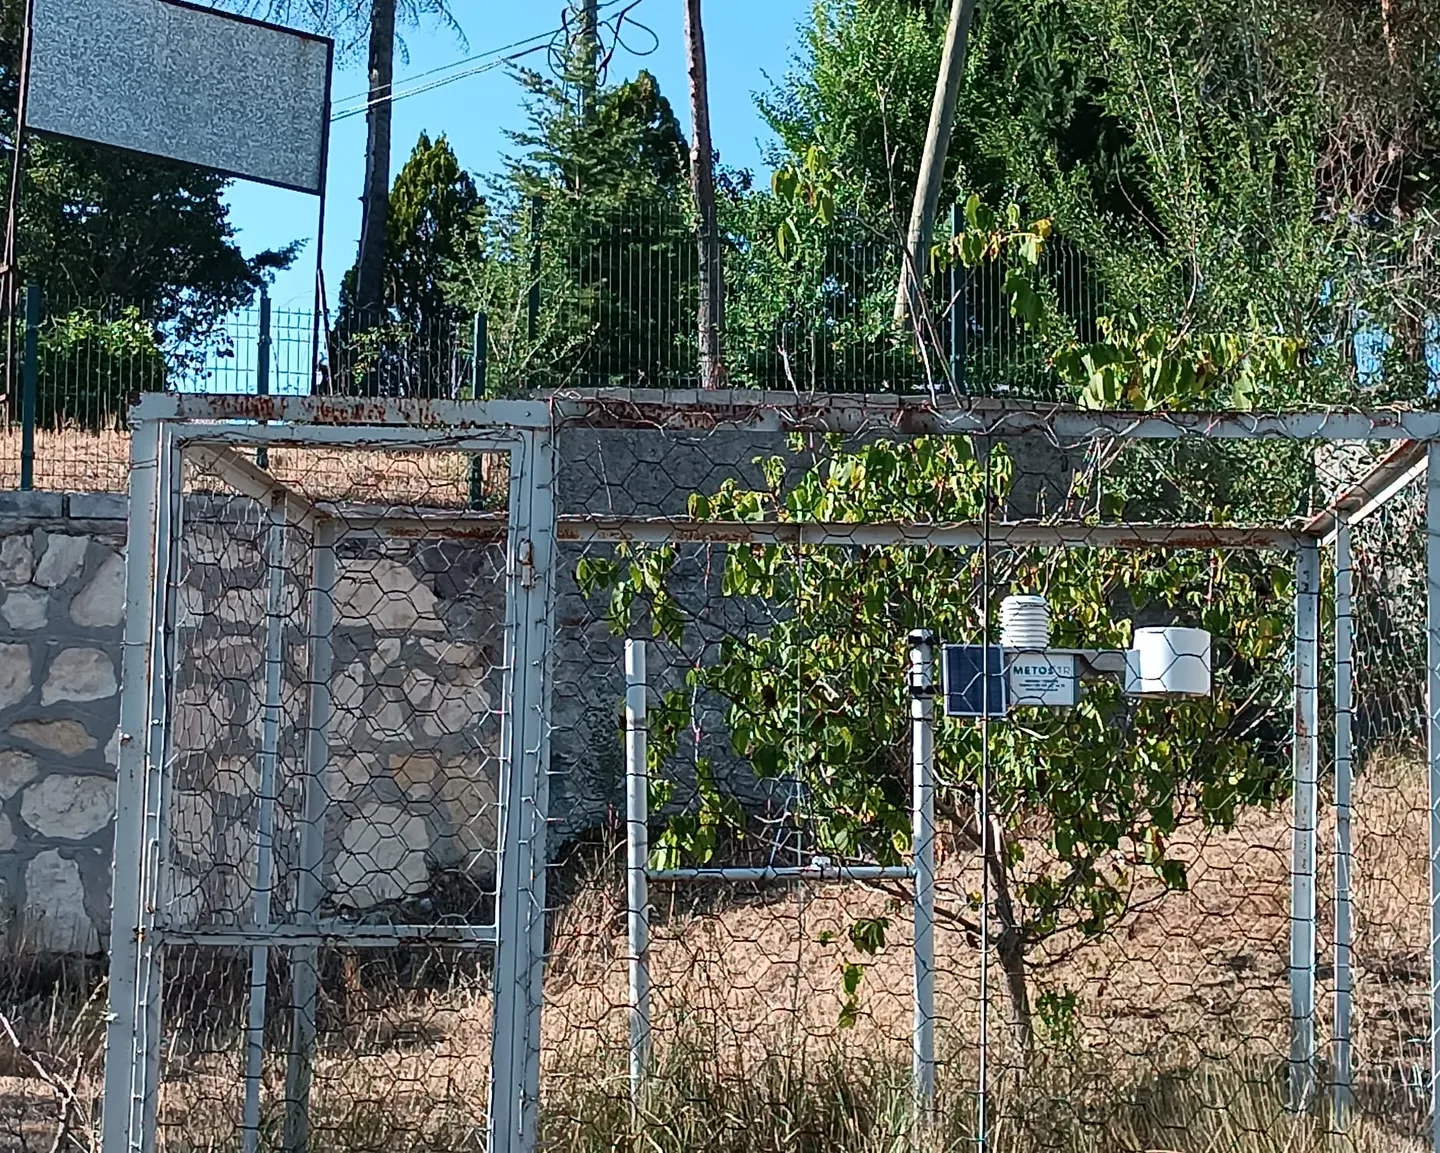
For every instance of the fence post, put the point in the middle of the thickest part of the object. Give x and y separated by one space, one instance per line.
958 314
1432 701
1344 750
479 355
922 728
532 310
479 371
30 387
637 856
1302 866
310 885
149 546
265 824
262 364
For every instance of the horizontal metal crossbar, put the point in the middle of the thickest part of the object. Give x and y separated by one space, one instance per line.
682 410
1072 534
795 873
1400 467
351 413
348 934
700 411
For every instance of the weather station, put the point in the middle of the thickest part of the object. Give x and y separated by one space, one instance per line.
1024 671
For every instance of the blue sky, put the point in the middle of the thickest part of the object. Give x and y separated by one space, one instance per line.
746 41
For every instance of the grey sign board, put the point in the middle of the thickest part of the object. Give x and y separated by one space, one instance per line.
183 82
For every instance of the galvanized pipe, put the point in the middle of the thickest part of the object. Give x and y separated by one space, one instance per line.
637 855
922 750
310 883
265 824
1344 774
1302 867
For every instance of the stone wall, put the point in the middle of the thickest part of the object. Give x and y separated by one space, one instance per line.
413 774
60 623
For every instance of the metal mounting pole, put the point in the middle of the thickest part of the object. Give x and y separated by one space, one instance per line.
1302 867
1344 750
1432 604
142 706
265 825
959 313
637 855
262 364
922 729
532 297
29 387
310 884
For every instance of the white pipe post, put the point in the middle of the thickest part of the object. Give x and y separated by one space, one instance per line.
1344 776
310 883
637 856
157 850
143 677
512 1121
922 729
536 473
1432 609
265 825
1302 866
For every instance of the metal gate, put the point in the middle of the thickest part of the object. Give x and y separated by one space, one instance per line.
331 795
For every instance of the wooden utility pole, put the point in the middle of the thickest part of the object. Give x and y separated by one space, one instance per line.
932 162
375 198
589 54
711 318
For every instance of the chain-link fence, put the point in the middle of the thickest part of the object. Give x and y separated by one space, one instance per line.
1383 931
579 297
724 788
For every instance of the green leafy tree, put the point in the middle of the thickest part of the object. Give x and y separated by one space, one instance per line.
1258 170
92 363
590 219
436 218
1085 803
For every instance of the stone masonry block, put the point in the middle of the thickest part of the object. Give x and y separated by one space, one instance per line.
69 808
80 674
61 559
101 603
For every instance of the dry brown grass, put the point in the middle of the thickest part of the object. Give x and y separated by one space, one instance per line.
76 460
68 460
1178 1041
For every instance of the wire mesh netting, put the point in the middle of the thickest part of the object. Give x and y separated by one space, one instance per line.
580 297
1135 924
328 828
1096 873
1132 925
1388 810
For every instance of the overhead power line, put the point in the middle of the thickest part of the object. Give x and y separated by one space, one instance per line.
483 62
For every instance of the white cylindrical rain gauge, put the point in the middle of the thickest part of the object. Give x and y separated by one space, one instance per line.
1025 623
1168 662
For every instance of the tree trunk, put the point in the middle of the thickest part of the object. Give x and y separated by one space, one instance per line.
932 162
711 318
375 198
1009 944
